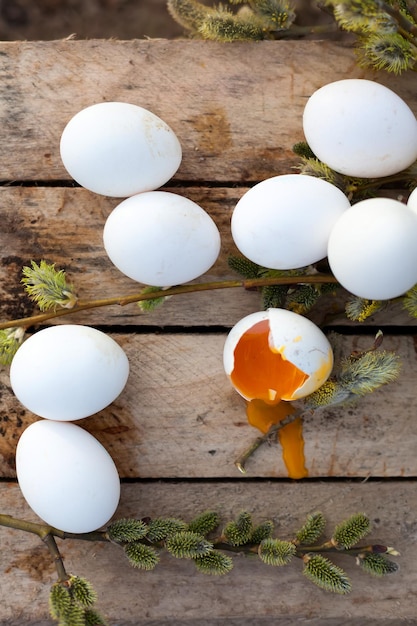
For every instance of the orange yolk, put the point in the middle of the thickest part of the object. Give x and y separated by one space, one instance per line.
263 416
263 375
260 371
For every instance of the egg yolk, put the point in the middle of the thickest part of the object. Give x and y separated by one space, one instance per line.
262 374
263 416
260 371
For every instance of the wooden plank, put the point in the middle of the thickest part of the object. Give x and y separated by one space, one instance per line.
179 417
253 594
237 109
64 226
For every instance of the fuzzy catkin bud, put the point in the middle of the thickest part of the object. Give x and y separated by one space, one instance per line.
377 564
261 532
141 556
214 563
349 532
239 532
162 527
276 552
204 523
312 529
82 591
187 545
125 530
325 574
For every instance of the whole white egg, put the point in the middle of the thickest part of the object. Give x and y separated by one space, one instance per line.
276 355
284 222
360 128
119 149
66 476
160 238
68 372
373 249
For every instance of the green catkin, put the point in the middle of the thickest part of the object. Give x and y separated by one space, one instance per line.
10 341
369 371
214 563
160 528
188 13
273 296
351 531
141 556
238 533
187 545
227 27
261 532
82 591
359 309
276 552
93 618
377 564
330 393
325 574
244 267
311 530
47 286
204 523
125 530
277 14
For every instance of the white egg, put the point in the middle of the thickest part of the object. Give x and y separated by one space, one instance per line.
277 355
68 372
284 222
360 128
373 249
119 149
66 476
161 238
412 200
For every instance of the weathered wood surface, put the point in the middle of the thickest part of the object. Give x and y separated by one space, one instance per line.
252 591
64 225
237 110
178 417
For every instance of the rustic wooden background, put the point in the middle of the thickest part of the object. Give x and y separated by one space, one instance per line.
177 427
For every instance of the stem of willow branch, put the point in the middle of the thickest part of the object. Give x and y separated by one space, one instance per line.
172 291
42 530
266 438
49 541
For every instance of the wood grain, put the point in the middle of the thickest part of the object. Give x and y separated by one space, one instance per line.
179 417
237 109
253 593
65 226
178 425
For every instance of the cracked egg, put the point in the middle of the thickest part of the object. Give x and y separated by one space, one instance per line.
273 357
277 355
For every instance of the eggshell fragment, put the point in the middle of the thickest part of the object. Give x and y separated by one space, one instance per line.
66 476
373 249
161 238
276 355
360 128
284 222
68 372
119 149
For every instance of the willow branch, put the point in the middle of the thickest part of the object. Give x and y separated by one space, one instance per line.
266 438
43 530
172 291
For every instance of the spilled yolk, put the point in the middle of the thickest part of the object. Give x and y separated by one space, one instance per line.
261 374
263 416
260 371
